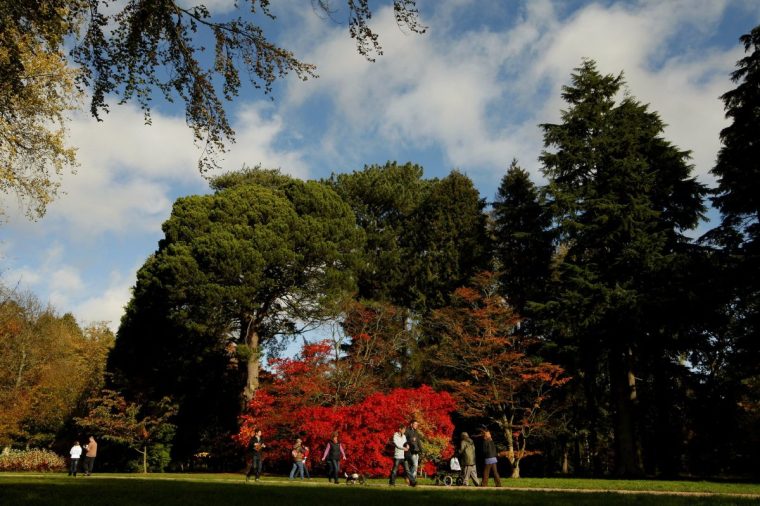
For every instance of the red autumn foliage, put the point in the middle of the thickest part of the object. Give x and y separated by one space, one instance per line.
490 368
297 404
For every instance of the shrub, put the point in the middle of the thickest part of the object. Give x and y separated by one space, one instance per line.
365 427
31 460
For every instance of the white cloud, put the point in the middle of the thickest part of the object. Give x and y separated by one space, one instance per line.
107 306
479 96
123 142
634 39
129 170
257 134
24 276
423 91
66 280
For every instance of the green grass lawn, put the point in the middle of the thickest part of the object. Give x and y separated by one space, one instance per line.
231 490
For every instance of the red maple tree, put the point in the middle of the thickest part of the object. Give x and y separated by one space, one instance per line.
298 403
487 365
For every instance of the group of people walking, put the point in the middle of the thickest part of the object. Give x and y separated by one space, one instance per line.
467 459
333 454
90 450
406 448
406 452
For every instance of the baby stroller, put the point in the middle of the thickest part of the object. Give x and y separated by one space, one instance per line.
449 474
354 477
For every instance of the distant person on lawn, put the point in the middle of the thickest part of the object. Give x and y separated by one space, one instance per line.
489 452
89 458
75 453
297 454
467 459
334 453
399 457
415 447
257 446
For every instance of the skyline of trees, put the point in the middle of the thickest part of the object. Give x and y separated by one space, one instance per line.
647 336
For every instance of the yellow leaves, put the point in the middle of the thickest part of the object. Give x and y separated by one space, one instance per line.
47 364
33 116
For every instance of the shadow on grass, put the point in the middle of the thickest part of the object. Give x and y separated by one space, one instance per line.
56 490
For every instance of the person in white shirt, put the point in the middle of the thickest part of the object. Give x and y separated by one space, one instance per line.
75 453
400 447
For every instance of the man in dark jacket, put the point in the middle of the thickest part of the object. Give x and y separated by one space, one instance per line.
256 447
415 448
489 453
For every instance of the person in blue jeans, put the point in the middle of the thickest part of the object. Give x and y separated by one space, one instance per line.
400 451
297 454
75 453
305 451
333 453
257 446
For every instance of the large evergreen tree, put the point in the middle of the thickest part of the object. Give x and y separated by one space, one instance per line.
622 197
738 193
425 237
252 261
445 241
738 165
523 243
732 381
384 199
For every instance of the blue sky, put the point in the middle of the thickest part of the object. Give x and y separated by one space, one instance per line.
468 94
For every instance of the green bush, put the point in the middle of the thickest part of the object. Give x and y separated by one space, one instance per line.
31 460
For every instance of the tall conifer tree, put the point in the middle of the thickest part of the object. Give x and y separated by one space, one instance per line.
736 383
523 243
622 197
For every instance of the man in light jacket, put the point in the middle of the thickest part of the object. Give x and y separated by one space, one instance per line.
467 459
89 457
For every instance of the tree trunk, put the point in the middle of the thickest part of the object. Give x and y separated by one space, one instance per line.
669 434
21 366
506 426
251 339
588 447
623 390
516 469
565 459
145 459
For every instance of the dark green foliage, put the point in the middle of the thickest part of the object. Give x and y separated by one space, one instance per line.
383 199
523 243
424 237
446 242
738 199
234 270
730 364
621 197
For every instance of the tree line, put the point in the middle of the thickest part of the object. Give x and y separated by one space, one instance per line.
581 318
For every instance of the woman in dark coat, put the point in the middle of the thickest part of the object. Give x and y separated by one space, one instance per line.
489 452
